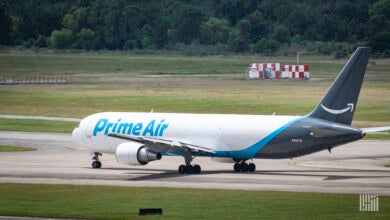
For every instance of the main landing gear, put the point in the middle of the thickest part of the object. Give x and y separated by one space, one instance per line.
188 168
244 167
96 163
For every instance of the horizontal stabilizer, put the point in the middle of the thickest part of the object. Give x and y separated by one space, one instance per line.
375 129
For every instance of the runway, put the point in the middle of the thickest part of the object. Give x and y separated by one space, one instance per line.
354 168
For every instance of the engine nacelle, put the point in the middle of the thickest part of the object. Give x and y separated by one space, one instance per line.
130 153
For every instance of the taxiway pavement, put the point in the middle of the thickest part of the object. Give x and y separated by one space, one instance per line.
357 168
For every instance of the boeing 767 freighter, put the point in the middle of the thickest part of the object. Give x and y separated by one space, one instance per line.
139 138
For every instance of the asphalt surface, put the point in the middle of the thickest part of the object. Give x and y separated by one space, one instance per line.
356 168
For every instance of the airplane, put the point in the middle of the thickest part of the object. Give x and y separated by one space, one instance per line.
139 138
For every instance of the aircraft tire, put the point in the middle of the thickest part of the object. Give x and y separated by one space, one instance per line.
244 167
96 164
182 169
189 169
252 167
236 167
197 169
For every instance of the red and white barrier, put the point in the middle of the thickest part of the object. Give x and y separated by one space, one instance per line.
296 71
264 70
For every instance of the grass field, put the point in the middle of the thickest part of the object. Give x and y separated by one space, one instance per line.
110 202
7 148
36 125
193 85
377 137
121 82
106 62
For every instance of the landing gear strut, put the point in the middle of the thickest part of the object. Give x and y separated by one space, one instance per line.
244 167
96 163
188 168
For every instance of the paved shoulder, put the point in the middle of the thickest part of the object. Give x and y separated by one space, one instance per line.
38 140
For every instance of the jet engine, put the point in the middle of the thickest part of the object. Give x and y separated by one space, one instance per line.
131 153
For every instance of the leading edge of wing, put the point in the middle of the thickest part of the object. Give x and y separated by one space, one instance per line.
167 142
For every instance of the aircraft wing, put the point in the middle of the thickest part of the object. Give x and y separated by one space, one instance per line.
375 129
172 144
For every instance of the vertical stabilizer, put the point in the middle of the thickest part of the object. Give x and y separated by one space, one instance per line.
339 103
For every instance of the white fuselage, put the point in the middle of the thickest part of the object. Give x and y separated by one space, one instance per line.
219 132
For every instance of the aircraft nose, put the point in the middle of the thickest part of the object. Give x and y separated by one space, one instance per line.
76 136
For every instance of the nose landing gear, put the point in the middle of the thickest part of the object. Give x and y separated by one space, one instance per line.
96 163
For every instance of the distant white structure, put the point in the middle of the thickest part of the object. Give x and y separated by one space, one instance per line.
264 71
272 71
296 71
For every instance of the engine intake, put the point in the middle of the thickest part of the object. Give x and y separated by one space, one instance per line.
135 154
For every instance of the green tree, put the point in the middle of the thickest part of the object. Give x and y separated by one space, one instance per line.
5 24
85 39
281 33
61 39
160 33
265 46
236 42
258 26
379 33
214 31
188 24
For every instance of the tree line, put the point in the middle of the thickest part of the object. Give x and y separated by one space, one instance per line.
249 26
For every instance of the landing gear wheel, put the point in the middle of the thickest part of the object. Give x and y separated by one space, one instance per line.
96 164
236 167
197 169
189 169
244 167
251 167
182 169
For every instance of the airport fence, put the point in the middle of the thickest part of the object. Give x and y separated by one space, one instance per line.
9 79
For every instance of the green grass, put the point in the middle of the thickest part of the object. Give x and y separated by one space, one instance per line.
4 148
121 82
49 62
387 165
36 125
110 202
377 137
75 105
